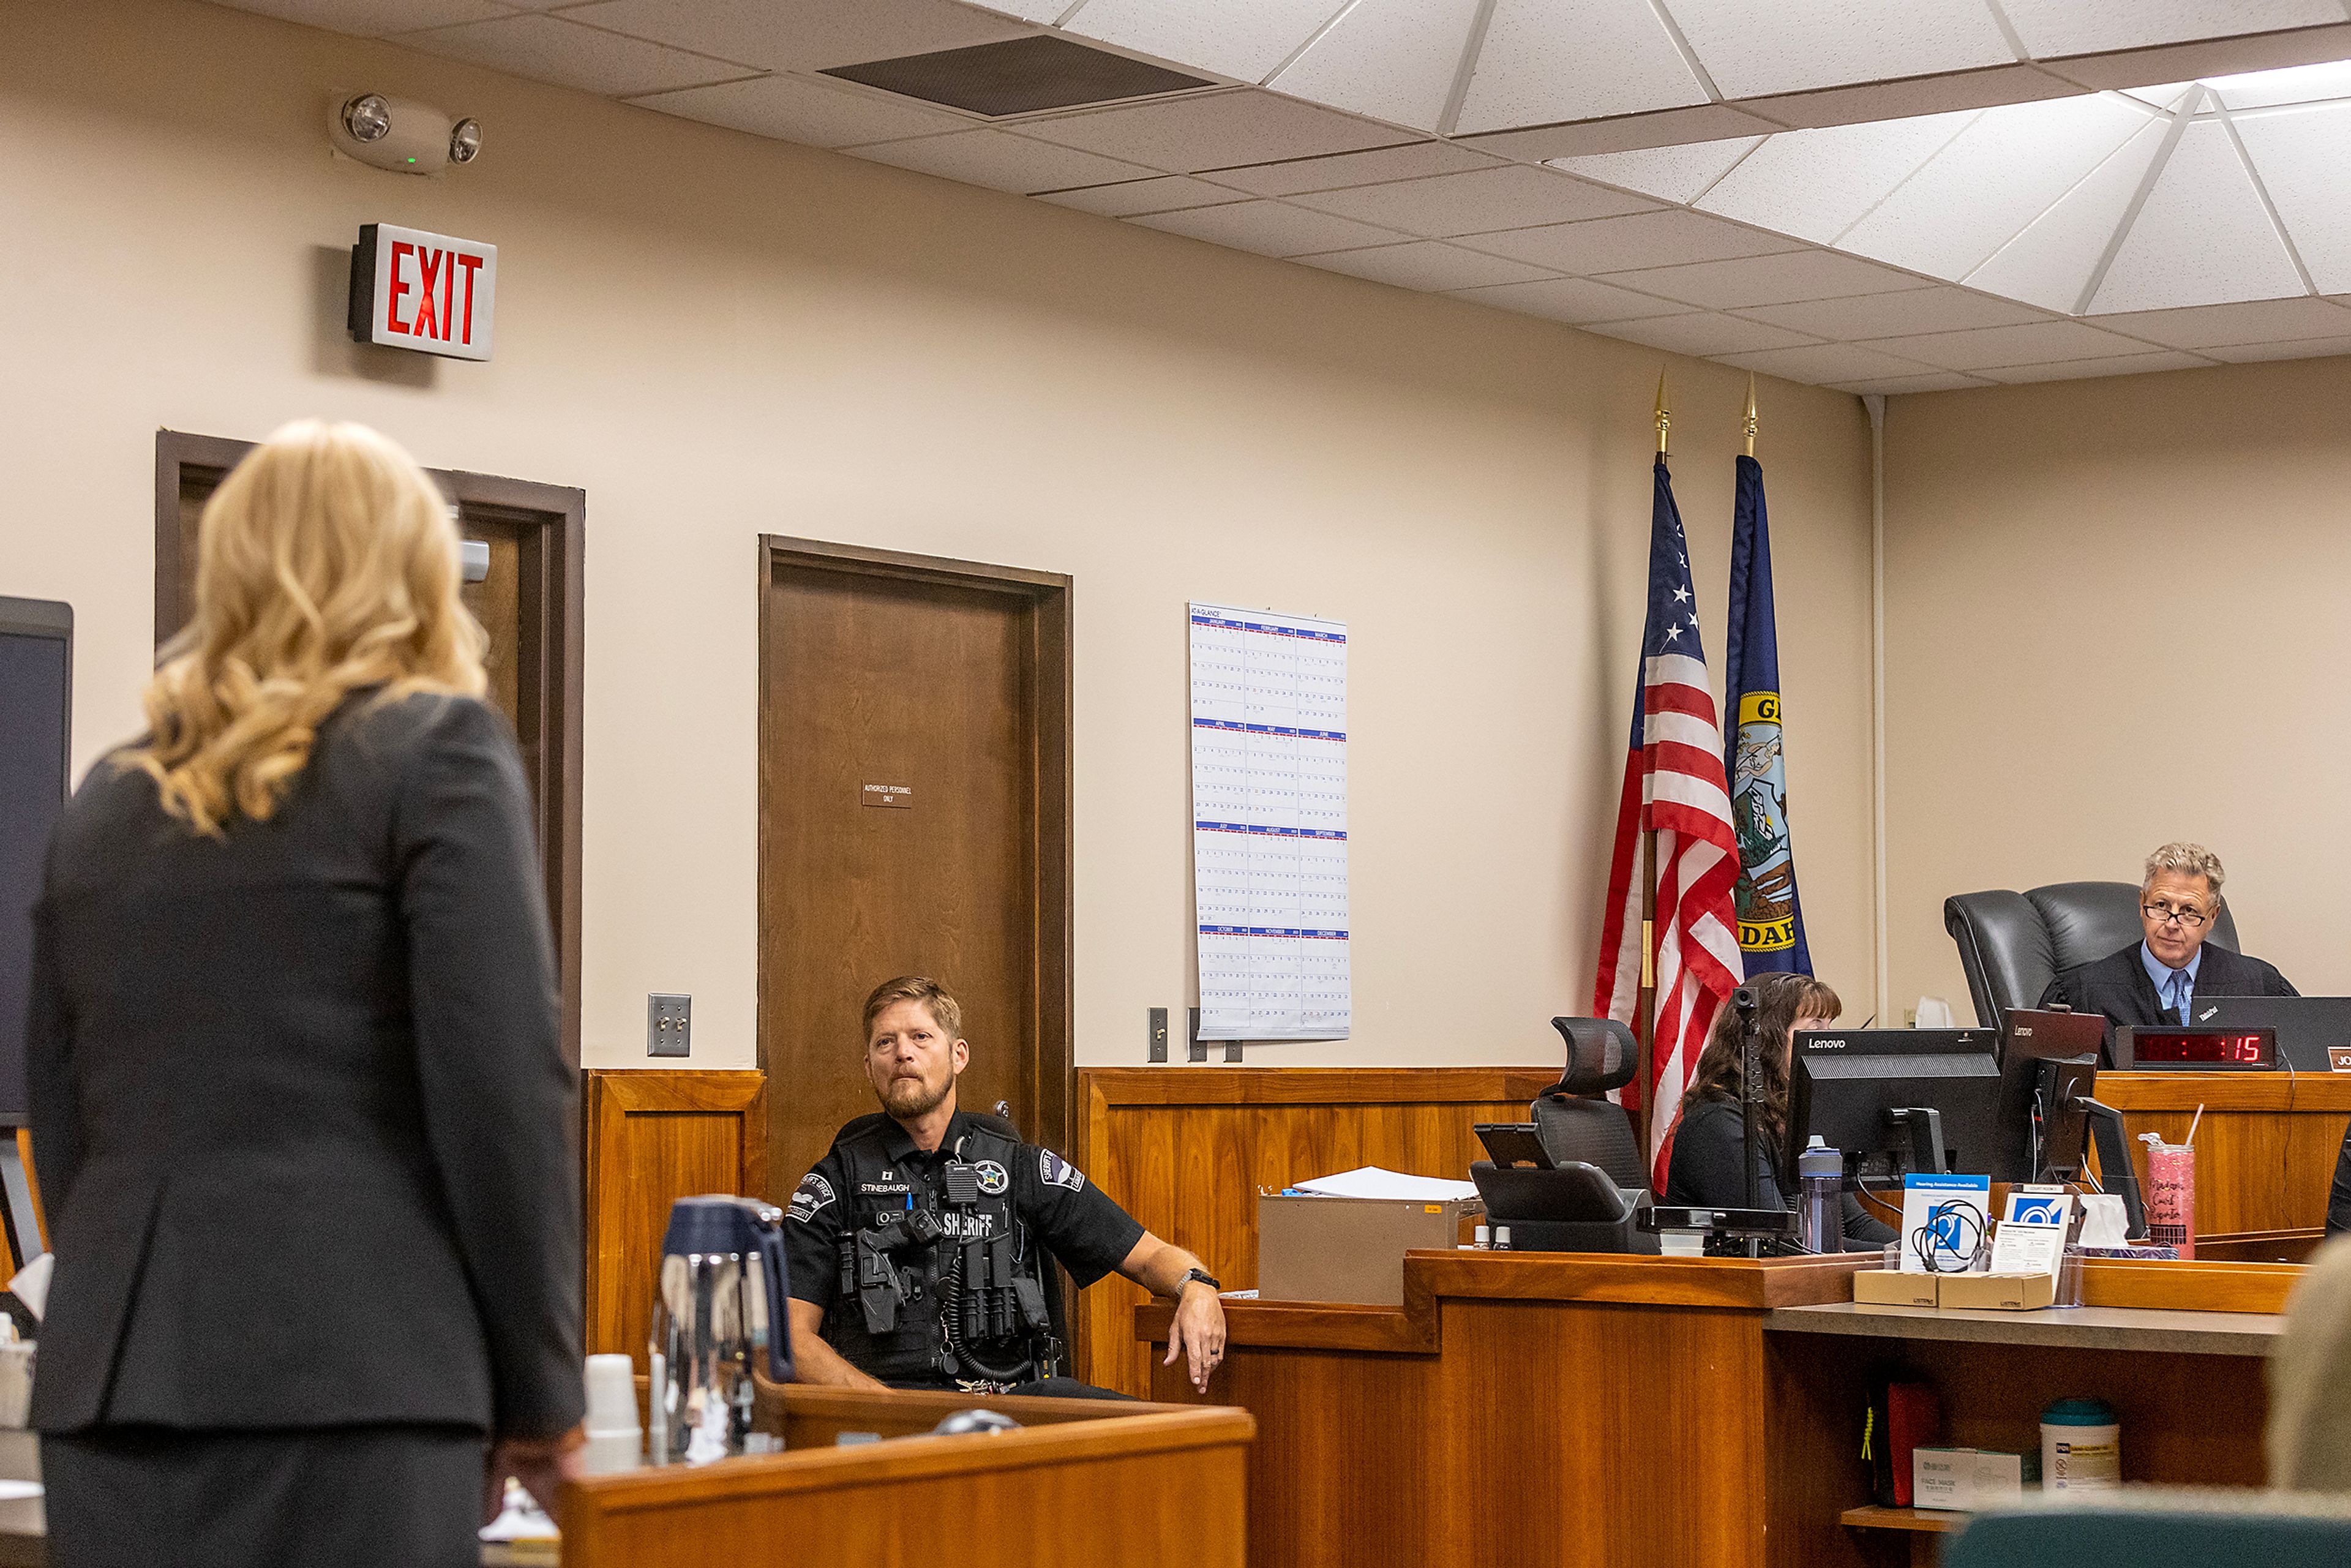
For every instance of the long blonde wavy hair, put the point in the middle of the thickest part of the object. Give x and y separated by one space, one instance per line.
326 562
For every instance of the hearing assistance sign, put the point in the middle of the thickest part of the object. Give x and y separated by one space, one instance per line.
428 292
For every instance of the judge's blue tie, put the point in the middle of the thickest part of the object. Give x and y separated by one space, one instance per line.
2174 984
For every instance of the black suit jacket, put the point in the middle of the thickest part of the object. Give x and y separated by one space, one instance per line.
300 1110
2118 987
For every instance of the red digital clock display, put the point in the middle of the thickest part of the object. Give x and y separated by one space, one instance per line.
2219 1049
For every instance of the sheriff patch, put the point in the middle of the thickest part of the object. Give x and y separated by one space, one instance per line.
813 1193
993 1179
1058 1172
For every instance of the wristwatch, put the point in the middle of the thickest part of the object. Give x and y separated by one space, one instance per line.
1202 1276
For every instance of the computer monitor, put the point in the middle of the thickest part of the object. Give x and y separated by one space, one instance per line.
2307 1026
35 713
1897 1100
2032 1043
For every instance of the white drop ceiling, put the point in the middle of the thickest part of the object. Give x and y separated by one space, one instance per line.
1882 195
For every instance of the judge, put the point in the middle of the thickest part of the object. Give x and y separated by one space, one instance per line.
2156 981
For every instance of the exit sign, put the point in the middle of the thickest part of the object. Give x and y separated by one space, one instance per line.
432 293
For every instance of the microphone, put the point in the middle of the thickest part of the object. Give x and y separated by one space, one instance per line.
1744 1000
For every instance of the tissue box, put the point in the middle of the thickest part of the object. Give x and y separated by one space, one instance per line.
1348 1248
1962 1480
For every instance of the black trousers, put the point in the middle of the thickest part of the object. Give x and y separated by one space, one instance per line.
355 1497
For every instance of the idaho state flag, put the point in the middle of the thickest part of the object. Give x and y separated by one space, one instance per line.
1770 920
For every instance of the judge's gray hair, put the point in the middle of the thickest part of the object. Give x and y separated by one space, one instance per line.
2188 860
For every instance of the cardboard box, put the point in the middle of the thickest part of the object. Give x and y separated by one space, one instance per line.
1942 1478
1893 1288
1997 1292
1963 1479
1347 1248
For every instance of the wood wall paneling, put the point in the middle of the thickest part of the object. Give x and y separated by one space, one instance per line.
1186 1149
653 1137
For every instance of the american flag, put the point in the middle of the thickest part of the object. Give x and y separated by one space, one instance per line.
1675 787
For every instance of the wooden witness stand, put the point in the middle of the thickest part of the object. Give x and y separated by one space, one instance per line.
1082 1484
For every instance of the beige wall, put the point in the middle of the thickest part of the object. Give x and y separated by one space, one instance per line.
2118 612
717 335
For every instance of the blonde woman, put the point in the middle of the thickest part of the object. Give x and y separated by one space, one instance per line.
300 1110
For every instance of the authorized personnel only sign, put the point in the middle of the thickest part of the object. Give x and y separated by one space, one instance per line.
433 293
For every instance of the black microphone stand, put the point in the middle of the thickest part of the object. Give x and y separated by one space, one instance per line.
1751 1097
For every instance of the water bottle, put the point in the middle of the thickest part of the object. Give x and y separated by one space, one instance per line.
1820 1197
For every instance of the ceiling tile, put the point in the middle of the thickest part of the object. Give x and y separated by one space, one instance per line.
1544 61
1133 198
1827 43
373 18
1572 300
1270 228
1814 184
1213 131
1026 10
2032 343
1701 332
2050 263
1914 95
1900 314
2202 238
793 108
800 34
1767 280
2054 28
1243 38
1513 196
2116 365
2301 349
1828 362
1991 179
1393 60
1425 263
549 49
1671 174
1001 160
1410 161
1642 240
2224 56
2302 155
2300 84
2251 321
1894 386
1667 128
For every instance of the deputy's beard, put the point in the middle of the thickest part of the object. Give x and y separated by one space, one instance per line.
908 1098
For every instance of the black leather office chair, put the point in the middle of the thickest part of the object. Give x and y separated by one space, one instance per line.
1571 1120
2012 945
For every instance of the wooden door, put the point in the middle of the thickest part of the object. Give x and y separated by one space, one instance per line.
530 604
914 818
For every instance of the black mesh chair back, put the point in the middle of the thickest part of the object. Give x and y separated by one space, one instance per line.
1572 1119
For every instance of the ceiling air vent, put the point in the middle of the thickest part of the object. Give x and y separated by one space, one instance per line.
1018 76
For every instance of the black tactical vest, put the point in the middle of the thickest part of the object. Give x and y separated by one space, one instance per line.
940 1282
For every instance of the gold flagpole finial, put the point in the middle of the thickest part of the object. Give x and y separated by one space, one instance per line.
1750 414
1665 415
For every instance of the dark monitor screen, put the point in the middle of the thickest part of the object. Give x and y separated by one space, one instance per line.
2030 1041
36 698
1844 1084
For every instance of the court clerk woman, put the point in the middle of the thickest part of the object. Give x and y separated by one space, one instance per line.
300 1110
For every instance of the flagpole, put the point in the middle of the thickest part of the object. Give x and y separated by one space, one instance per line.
1644 1027
1749 417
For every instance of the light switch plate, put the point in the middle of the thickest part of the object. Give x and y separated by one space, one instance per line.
1158 1034
669 1024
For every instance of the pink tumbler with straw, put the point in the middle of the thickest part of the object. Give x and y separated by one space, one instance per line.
2170 1194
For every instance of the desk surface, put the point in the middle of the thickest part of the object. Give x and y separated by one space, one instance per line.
2076 1328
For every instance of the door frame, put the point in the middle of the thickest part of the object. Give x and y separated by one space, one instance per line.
558 515
1047 594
